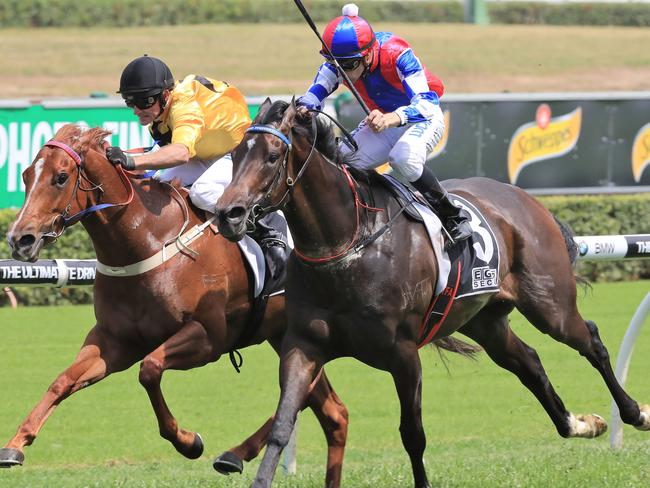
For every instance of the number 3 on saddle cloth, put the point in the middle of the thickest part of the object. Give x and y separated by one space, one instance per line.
468 268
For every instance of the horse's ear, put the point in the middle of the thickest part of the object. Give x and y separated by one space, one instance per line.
289 117
262 111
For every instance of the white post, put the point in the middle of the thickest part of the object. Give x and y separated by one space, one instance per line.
289 456
622 364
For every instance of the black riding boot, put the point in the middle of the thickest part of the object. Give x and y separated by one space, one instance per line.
273 245
454 219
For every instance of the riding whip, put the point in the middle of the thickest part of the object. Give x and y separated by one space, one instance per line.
354 91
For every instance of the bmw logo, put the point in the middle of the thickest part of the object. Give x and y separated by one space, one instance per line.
583 248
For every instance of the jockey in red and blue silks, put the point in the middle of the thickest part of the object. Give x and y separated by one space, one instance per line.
405 122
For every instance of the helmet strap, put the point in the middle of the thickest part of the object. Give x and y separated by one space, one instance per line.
162 100
367 66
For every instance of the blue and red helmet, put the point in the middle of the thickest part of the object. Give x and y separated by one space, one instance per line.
348 36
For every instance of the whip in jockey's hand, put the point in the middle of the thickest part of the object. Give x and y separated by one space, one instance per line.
116 156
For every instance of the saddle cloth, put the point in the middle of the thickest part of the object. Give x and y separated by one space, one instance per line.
254 255
468 268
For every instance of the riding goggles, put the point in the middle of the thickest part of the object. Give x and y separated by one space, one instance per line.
349 64
142 103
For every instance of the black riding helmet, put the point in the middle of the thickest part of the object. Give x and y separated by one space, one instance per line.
145 76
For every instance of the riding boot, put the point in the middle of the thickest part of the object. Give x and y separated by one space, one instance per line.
455 219
273 245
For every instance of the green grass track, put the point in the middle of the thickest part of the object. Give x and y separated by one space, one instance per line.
483 427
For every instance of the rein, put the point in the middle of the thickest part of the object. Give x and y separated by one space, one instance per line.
66 220
181 241
355 244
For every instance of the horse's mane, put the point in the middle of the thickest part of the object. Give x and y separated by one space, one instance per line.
81 138
325 140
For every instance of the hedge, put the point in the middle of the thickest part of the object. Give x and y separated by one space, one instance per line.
626 14
587 215
121 13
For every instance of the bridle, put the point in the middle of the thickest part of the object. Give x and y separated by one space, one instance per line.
258 210
62 221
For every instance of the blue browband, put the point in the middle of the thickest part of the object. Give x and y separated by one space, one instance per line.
256 129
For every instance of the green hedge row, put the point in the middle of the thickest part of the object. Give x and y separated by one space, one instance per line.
111 13
627 14
606 215
587 215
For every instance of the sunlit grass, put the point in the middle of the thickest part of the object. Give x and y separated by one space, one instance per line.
483 427
278 59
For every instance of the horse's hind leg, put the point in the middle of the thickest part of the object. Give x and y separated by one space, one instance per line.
558 316
491 330
189 348
406 370
98 357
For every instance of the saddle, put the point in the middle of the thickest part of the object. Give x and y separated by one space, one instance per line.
470 268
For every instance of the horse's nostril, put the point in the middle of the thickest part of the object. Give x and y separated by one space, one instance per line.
27 240
236 214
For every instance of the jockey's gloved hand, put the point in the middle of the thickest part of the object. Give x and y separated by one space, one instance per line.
116 156
303 113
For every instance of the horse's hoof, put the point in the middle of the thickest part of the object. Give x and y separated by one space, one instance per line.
228 463
11 457
197 447
587 426
644 418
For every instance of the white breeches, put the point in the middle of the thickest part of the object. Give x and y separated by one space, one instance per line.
404 148
208 179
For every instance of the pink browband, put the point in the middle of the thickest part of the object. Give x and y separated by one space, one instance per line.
71 152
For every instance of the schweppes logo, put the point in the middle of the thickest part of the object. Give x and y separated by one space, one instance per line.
641 152
442 143
548 137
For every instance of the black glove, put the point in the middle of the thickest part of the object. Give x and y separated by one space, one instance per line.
116 156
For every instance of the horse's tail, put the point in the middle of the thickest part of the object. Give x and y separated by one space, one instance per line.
571 247
457 346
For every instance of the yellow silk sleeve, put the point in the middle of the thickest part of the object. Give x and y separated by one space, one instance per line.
187 122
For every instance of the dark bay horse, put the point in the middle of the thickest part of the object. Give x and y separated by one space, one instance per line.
346 298
181 314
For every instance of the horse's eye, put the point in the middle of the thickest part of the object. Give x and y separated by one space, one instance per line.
61 179
273 157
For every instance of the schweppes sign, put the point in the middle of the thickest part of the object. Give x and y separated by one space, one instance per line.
442 143
641 152
545 138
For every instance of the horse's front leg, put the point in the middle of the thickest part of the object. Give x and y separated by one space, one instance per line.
189 348
298 366
407 375
99 356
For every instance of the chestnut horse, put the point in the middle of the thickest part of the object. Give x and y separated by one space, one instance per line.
182 314
353 292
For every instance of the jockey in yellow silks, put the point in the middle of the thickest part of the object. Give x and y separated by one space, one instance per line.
196 122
